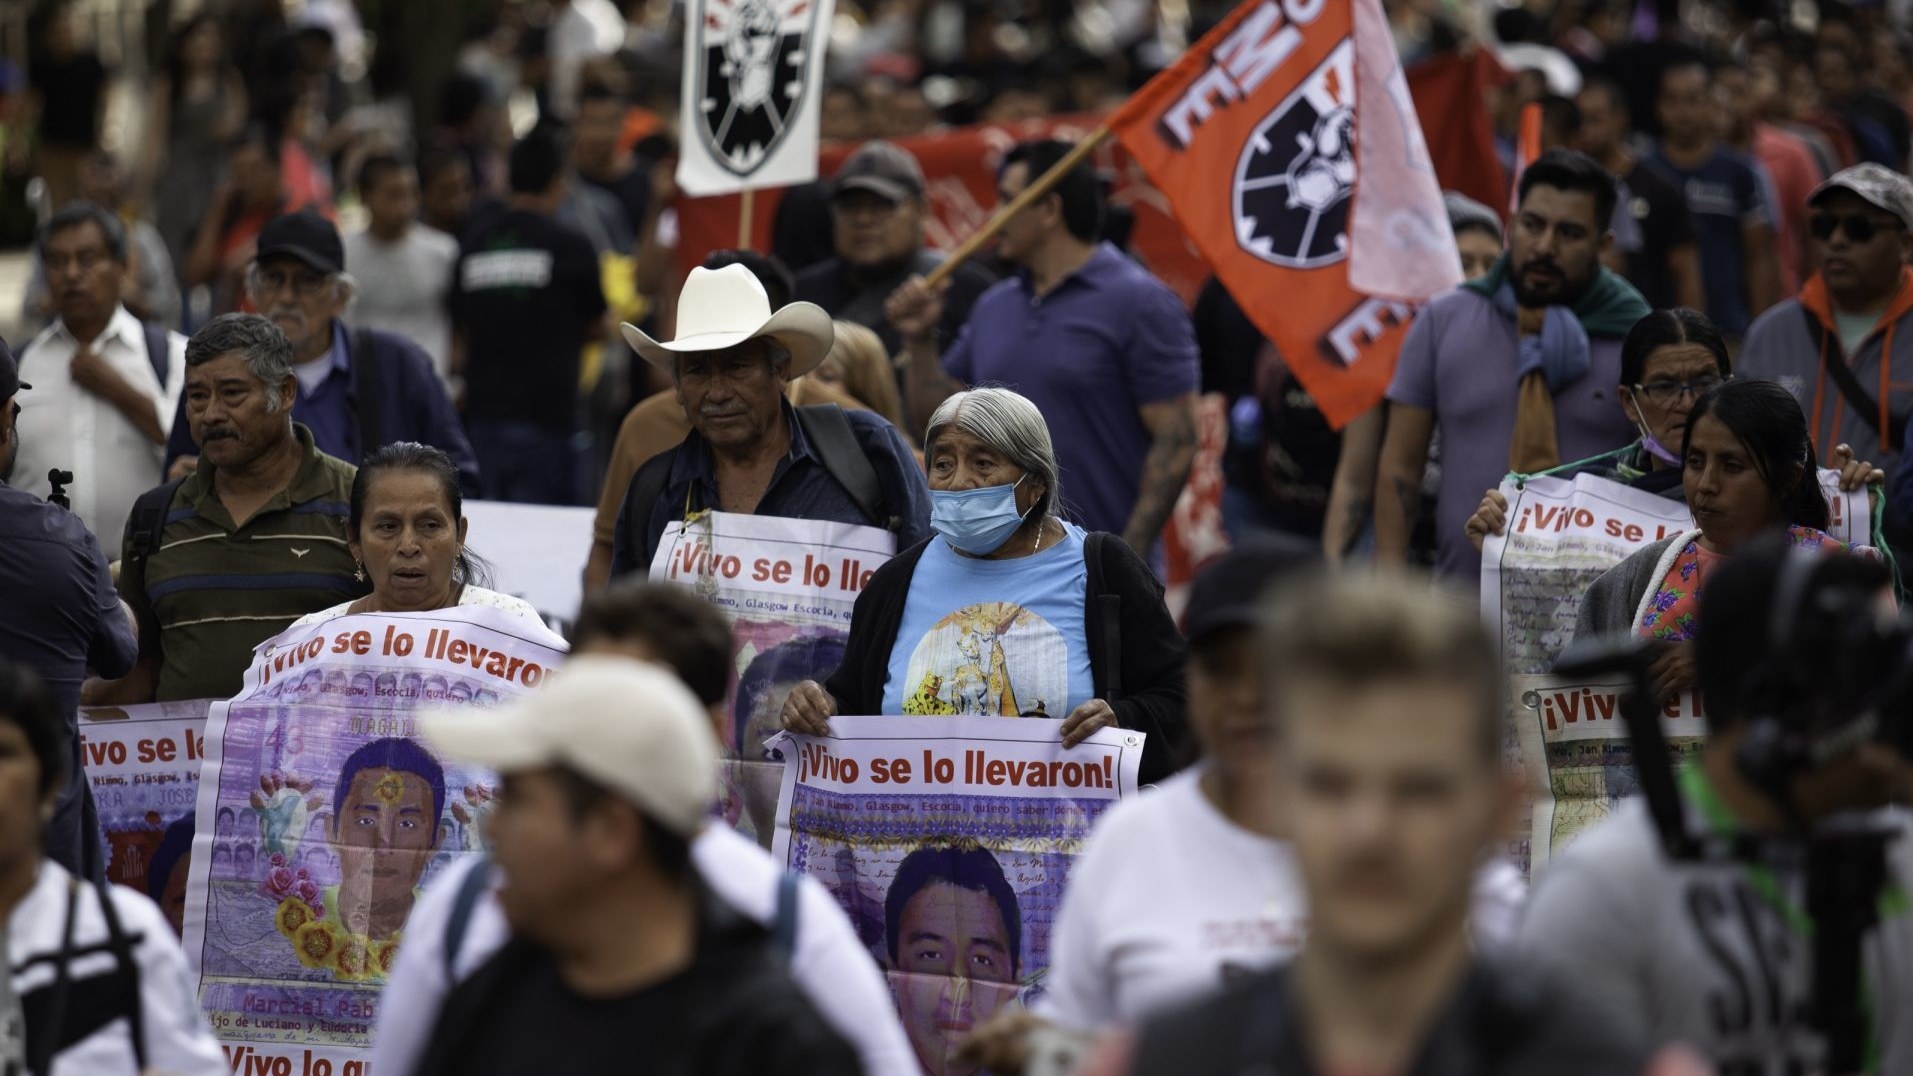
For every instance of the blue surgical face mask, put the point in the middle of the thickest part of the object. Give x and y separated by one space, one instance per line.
976 521
1654 447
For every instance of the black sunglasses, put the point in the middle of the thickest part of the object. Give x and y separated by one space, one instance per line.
1859 227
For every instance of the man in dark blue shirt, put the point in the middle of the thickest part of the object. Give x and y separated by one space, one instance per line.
63 616
358 389
749 450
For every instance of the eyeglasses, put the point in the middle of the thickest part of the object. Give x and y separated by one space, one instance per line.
1859 227
1667 392
271 282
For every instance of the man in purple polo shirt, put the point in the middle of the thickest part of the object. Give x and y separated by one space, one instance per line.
1516 368
1102 347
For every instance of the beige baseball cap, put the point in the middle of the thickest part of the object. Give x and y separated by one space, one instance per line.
631 726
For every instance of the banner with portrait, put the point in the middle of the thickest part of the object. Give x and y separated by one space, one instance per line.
143 764
787 586
947 840
1578 756
321 815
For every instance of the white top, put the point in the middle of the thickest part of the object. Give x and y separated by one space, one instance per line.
831 966
178 1040
1170 900
470 595
402 288
1712 955
63 425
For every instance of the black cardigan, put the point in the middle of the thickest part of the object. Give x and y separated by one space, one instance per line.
1135 652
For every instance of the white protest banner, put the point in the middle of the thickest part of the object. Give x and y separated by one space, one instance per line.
1562 533
537 552
753 81
949 828
1578 757
788 586
143 763
337 815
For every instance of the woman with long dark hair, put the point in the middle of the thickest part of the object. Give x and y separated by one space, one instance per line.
1748 469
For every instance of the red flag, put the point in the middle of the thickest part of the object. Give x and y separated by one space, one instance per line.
1327 241
1527 150
1451 97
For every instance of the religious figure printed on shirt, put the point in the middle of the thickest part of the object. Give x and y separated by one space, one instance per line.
995 659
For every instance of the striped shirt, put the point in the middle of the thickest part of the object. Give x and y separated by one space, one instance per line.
212 591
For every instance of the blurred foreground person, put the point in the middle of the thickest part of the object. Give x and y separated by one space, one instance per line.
620 949
1185 888
672 626
1387 702
102 984
1718 951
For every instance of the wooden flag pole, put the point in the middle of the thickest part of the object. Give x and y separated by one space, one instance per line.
1038 188
744 219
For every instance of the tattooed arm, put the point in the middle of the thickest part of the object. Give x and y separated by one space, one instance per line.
1353 490
1398 480
1172 423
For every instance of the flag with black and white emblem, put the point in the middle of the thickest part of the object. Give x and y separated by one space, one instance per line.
753 78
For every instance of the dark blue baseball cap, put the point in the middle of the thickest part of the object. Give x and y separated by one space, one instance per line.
1228 591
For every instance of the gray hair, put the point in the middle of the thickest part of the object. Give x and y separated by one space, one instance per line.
267 353
1012 425
76 214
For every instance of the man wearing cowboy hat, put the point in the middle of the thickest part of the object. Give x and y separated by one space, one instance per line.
749 451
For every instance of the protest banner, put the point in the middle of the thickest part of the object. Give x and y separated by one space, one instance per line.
787 586
143 764
1562 533
1287 142
1578 757
321 814
961 829
752 83
537 552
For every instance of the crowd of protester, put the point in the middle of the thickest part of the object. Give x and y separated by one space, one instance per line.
286 328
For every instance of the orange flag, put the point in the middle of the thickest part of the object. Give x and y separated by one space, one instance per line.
1287 143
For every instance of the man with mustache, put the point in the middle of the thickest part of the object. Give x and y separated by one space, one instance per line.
250 541
749 450
358 389
1516 368
1844 345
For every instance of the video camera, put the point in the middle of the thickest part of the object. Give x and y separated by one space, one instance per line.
1837 674
58 480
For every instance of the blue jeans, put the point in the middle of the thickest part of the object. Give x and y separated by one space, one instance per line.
527 463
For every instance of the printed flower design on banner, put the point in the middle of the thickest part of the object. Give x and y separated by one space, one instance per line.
282 883
391 789
316 943
384 955
292 915
352 958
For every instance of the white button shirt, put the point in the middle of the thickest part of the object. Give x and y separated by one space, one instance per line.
63 425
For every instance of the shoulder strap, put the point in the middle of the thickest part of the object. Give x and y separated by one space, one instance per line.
159 351
641 496
148 519
830 434
470 888
1095 548
121 945
365 386
784 925
1850 387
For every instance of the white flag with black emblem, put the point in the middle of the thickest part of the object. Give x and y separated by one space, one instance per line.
753 76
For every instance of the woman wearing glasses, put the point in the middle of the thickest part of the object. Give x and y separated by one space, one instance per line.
1669 360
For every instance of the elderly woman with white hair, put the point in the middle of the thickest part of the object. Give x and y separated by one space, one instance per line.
1008 610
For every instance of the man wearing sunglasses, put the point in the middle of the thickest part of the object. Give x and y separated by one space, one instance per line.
1844 345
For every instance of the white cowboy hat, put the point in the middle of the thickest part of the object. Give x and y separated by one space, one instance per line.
721 308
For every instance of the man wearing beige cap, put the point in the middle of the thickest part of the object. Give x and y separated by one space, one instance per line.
620 957
749 451
1844 345
877 207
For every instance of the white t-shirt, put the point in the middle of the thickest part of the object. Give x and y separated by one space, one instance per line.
830 965
1695 953
178 1040
1170 899
403 288
470 595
